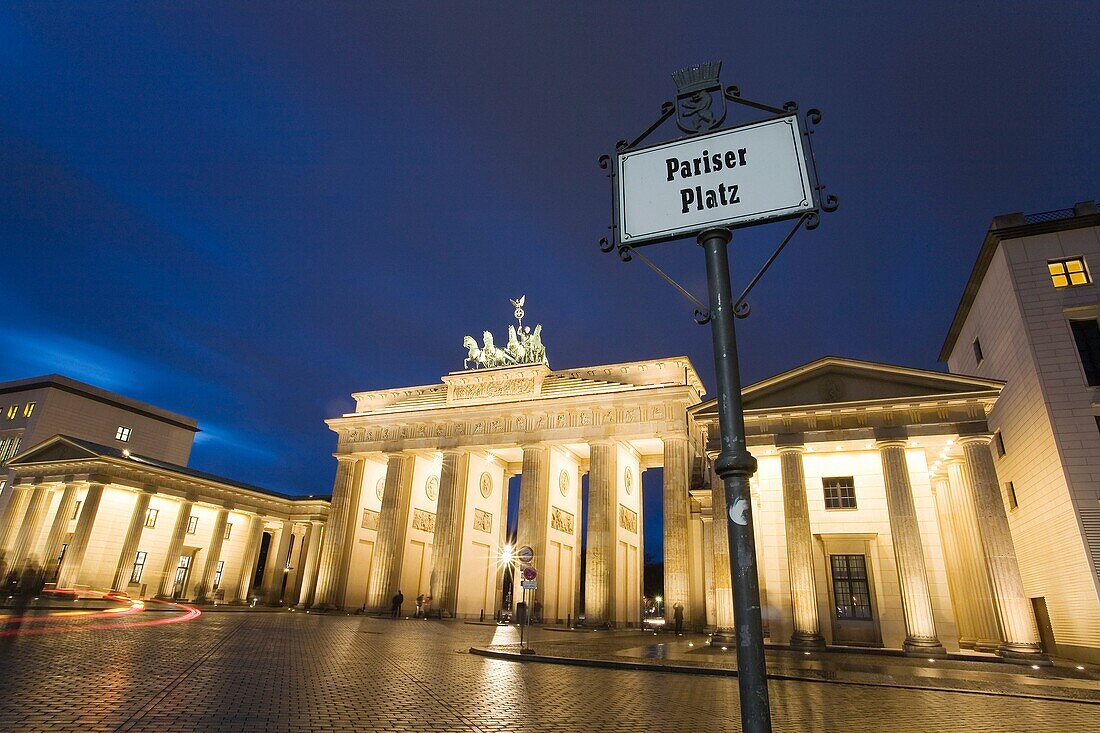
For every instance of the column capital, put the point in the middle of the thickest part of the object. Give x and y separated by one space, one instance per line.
347 457
799 448
881 443
975 439
609 442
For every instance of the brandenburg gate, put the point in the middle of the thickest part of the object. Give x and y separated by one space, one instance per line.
420 500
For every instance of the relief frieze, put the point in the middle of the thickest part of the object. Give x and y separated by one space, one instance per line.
424 521
628 519
483 521
561 520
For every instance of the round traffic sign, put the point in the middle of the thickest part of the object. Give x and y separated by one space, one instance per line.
529 573
525 554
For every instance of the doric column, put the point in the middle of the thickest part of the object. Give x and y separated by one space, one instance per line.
13 512
393 523
251 556
447 543
307 565
724 623
984 631
131 541
920 627
332 548
677 477
600 552
61 519
534 509
31 526
1021 635
213 554
956 582
800 550
277 564
74 555
175 547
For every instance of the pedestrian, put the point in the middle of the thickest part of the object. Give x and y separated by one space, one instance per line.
536 612
419 605
395 606
427 606
678 617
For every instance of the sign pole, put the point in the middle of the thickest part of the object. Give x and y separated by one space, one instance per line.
734 466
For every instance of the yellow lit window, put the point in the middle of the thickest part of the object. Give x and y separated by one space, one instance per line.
13 411
1072 271
29 409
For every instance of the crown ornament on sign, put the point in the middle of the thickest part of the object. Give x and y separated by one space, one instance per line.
697 78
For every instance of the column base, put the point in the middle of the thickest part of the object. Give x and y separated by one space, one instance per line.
916 646
1024 654
802 640
723 637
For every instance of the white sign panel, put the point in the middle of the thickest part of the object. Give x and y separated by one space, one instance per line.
731 178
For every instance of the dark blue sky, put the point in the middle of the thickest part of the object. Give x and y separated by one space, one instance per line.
244 212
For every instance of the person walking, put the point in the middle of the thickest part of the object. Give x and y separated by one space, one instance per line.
419 605
678 617
395 606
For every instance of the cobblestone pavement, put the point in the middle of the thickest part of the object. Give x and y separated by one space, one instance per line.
297 672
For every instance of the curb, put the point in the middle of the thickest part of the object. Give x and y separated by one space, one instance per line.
713 672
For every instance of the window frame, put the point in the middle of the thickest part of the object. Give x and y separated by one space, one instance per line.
841 497
979 354
192 524
228 531
123 433
151 515
76 511
28 409
1010 494
848 581
1091 370
138 567
999 444
218 573
1067 274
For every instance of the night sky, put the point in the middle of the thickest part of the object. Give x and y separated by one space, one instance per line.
244 212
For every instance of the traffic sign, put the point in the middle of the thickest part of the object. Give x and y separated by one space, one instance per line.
529 573
529 584
525 554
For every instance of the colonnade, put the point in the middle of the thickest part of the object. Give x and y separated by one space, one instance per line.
27 515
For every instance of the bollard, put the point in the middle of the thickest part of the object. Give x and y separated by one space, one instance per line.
481 619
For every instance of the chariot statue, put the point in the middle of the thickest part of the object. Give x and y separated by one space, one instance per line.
524 345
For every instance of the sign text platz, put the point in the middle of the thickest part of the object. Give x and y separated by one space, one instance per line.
732 178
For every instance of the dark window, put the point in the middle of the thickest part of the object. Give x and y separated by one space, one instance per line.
218 574
1098 422
192 525
978 356
228 530
853 594
999 441
139 566
76 511
1010 492
840 492
1086 334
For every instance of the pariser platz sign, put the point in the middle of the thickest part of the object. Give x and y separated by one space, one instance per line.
731 178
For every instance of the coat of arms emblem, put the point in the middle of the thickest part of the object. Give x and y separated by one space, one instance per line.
700 104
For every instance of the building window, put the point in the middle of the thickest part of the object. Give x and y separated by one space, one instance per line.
4 481
1086 334
218 574
1010 492
1071 271
29 409
979 357
76 511
139 567
228 530
122 434
8 448
13 411
192 525
840 492
850 587
999 442
151 517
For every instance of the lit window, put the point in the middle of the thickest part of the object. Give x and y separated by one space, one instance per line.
1010 491
8 448
979 357
13 411
840 492
29 409
192 525
151 517
999 441
122 434
218 574
76 511
228 530
139 566
850 587
1072 271
1086 335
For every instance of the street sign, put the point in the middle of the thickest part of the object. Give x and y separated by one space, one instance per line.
529 573
525 555
529 584
731 178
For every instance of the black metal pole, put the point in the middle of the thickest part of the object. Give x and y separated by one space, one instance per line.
735 465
